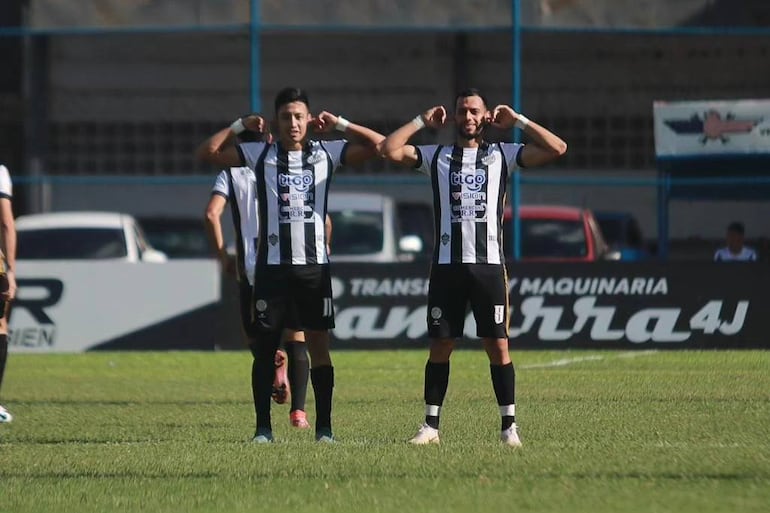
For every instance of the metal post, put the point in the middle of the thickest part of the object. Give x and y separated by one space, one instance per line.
516 99
254 62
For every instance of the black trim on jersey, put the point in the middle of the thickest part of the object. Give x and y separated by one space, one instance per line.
481 228
456 166
5 196
309 228
261 193
518 157
343 156
240 251
241 155
213 193
284 229
436 200
504 175
418 164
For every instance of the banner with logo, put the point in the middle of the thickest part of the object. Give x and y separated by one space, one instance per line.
555 306
692 129
75 306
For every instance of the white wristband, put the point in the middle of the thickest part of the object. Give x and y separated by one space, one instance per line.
237 127
342 124
419 122
522 122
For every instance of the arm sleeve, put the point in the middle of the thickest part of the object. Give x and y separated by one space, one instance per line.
425 156
221 185
6 188
336 150
512 155
250 153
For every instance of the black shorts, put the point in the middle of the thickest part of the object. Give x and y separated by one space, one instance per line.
246 302
297 297
453 286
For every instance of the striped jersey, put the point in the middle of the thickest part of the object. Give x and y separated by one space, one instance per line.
747 254
469 188
292 188
6 189
237 185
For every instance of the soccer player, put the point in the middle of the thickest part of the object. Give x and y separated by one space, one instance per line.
7 271
236 186
735 250
469 186
292 283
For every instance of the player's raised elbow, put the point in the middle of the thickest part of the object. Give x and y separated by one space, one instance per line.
555 149
206 153
560 149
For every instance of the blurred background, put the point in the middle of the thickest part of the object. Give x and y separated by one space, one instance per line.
102 102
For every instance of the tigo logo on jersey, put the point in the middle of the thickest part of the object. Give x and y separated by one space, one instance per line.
299 182
473 182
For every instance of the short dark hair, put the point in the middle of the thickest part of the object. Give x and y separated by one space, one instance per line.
289 95
736 227
472 91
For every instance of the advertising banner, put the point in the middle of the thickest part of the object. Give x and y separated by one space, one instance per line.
78 306
74 306
695 129
555 306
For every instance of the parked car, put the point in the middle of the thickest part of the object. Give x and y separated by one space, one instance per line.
83 236
177 237
622 232
367 227
558 234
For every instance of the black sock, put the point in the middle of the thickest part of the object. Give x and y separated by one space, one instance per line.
262 374
323 387
436 383
299 372
504 383
3 355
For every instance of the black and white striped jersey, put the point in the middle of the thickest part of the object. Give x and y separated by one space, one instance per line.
238 186
469 189
292 189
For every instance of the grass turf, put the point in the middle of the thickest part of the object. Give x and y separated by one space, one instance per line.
602 431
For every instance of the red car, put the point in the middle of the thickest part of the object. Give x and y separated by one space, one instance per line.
557 234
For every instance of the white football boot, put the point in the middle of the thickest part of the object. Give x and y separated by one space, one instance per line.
426 435
5 415
510 437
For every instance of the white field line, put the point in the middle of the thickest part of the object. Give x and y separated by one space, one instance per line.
581 359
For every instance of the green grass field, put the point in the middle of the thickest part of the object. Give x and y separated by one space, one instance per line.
602 431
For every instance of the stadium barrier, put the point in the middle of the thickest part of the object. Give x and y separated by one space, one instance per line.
73 307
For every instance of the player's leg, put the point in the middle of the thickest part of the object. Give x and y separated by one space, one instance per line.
281 385
446 317
489 300
299 374
268 311
312 299
5 416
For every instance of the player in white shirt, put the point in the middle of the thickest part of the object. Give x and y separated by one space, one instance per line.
7 271
292 281
735 251
469 181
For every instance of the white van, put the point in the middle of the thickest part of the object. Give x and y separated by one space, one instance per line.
366 228
83 236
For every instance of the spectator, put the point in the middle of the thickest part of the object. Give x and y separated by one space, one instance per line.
735 251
